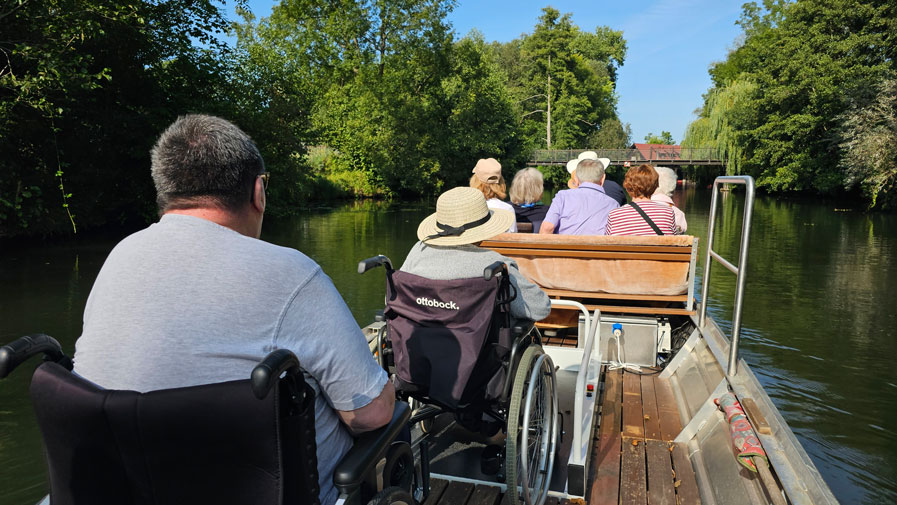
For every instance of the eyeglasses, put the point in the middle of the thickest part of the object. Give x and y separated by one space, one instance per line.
264 177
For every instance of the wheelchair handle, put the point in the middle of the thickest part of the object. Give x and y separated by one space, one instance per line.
14 354
494 269
266 374
376 261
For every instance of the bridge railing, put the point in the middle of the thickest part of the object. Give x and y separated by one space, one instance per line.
619 156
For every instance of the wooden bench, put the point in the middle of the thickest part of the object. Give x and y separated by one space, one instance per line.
623 275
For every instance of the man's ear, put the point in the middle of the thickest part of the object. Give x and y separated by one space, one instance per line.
259 198
601 183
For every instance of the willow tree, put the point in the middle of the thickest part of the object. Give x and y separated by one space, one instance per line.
713 128
869 142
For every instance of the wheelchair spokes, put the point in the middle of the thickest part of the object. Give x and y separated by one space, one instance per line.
532 428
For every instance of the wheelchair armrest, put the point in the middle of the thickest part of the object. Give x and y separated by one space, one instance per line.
15 353
368 449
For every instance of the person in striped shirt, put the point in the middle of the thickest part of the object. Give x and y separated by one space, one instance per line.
655 218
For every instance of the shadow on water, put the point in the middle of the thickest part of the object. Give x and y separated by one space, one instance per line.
820 327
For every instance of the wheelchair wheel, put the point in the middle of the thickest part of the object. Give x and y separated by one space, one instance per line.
392 496
532 428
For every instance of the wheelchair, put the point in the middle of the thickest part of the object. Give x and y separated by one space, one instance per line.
450 348
240 442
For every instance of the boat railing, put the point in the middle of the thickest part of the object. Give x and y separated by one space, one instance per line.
739 270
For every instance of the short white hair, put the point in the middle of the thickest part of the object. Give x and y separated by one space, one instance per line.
527 186
666 183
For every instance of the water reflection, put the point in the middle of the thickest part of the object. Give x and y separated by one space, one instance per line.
819 322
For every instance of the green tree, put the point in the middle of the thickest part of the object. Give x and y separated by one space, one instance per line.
611 135
665 137
806 60
582 70
713 127
85 87
868 136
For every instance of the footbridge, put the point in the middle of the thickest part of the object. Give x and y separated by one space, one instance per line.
660 155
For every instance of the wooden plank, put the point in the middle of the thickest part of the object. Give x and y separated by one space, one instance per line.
614 296
622 309
649 408
660 473
498 245
604 484
633 419
755 416
456 493
484 495
670 424
506 499
686 485
683 256
633 478
437 486
612 403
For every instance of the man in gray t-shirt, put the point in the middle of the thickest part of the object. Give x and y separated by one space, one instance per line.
196 298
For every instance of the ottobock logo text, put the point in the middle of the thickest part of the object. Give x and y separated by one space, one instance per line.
450 305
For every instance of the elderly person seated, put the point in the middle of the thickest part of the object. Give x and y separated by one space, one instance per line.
526 195
488 180
666 186
611 188
584 210
642 216
448 248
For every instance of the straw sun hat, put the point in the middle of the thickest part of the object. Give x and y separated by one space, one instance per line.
462 217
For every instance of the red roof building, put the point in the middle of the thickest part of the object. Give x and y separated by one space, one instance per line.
657 152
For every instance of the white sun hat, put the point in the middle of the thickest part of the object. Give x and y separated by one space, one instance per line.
591 155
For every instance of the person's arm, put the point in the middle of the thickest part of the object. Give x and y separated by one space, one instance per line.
319 328
373 415
553 216
531 302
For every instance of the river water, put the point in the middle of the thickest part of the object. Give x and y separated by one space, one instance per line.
820 320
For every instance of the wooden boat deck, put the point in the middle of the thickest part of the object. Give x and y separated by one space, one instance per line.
634 459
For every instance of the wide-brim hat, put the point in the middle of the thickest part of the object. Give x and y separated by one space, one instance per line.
462 217
591 155
571 165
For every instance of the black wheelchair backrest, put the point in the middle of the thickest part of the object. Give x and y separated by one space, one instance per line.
445 343
215 443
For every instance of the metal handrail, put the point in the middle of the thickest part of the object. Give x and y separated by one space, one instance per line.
739 270
590 329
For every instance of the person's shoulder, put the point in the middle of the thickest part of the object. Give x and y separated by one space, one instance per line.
495 203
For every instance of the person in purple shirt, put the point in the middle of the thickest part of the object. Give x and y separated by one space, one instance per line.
584 210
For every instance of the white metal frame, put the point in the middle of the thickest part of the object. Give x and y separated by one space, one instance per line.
588 356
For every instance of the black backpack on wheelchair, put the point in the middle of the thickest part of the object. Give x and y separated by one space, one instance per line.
246 441
450 345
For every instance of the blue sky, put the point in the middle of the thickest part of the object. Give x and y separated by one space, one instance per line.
671 43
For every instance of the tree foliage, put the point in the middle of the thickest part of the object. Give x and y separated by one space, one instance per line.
868 135
582 69
714 129
665 137
807 61
85 87
343 98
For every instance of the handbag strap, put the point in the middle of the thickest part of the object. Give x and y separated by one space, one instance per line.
646 218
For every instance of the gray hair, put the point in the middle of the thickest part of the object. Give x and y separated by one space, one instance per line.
204 161
667 180
590 171
527 186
